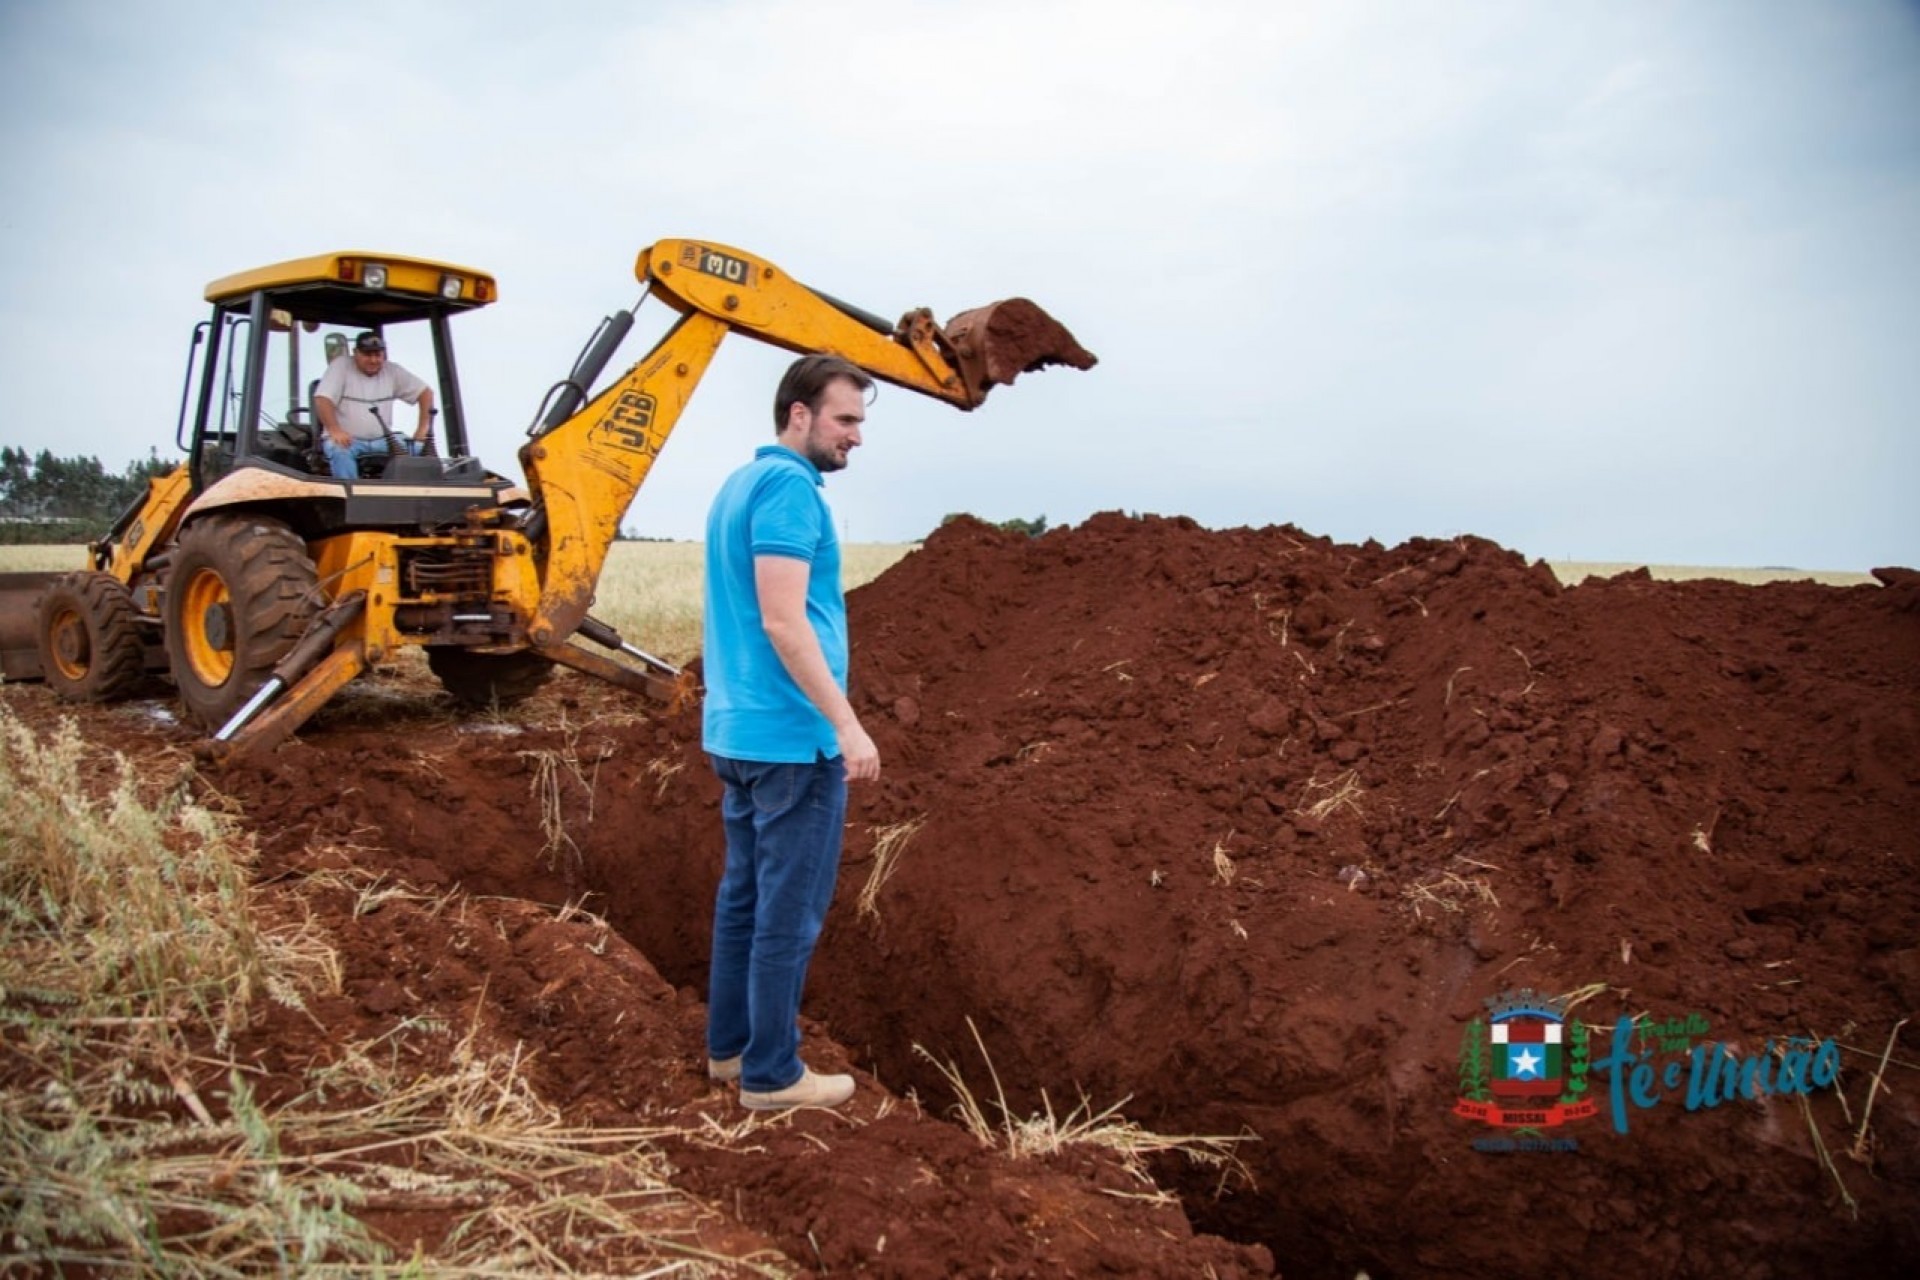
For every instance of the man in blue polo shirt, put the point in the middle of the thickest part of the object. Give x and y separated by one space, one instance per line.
782 736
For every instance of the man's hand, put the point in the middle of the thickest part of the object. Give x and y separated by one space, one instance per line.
330 422
857 749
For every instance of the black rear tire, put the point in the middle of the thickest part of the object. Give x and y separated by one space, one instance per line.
241 592
90 646
488 679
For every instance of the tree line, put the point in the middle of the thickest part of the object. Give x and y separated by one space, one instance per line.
1032 528
44 498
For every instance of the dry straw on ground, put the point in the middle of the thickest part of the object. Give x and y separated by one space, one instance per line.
132 947
1048 1133
888 844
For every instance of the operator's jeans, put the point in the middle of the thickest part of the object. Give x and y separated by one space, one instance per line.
784 823
344 460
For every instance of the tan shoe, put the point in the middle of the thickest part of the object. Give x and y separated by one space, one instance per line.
810 1090
724 1070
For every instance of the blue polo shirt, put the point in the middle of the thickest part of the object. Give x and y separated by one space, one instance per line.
773 506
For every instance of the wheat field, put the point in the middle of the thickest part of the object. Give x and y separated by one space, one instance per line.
36 559
1573 572
651 592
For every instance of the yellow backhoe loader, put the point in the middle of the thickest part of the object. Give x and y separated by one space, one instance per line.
263 584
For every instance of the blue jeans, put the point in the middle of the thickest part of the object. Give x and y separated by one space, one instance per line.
784 824
344 460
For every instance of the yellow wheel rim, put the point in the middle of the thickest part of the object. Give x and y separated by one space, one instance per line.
71 652
207 618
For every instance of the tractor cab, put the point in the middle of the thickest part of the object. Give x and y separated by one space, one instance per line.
247 420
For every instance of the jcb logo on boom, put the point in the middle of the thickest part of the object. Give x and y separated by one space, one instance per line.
627 423
714 263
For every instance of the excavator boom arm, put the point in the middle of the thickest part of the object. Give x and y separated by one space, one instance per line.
758 299
584 471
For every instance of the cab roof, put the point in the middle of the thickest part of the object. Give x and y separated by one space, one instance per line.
346 287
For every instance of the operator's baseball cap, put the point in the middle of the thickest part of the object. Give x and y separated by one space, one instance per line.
369 341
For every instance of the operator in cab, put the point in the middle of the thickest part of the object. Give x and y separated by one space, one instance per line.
354 403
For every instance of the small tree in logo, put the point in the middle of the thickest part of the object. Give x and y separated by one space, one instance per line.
1576 1063
1473 1062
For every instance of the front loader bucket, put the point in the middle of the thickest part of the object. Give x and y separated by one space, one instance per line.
20 623
1002 340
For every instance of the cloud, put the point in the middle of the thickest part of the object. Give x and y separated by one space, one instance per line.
1595 280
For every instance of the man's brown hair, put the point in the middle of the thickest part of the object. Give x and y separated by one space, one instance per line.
806 382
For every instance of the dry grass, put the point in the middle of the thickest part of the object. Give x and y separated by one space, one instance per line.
663 771
133 947
1826 1158
1448 893
257 1189
1571 1000
135 906
129 935
1321 800
1862 1148
556 771
1223 866
888 844
1048 1133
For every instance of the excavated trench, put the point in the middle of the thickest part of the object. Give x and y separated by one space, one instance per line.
1247 828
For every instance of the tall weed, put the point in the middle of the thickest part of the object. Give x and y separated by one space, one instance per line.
123 906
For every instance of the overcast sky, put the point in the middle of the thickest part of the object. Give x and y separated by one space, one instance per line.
1622 280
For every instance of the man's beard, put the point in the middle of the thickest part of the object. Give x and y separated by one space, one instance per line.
823 458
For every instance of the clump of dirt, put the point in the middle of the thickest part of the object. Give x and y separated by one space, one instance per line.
1244 828
999 342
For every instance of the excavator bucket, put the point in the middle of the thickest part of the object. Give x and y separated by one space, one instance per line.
20 623
1002 340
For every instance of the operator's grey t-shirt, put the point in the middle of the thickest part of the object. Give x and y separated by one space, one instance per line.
355 396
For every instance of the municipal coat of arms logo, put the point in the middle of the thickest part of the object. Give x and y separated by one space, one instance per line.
1524 1066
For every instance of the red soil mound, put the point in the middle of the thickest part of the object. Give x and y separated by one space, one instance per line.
1248 826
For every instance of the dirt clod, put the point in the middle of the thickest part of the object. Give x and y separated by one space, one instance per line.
1005 339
